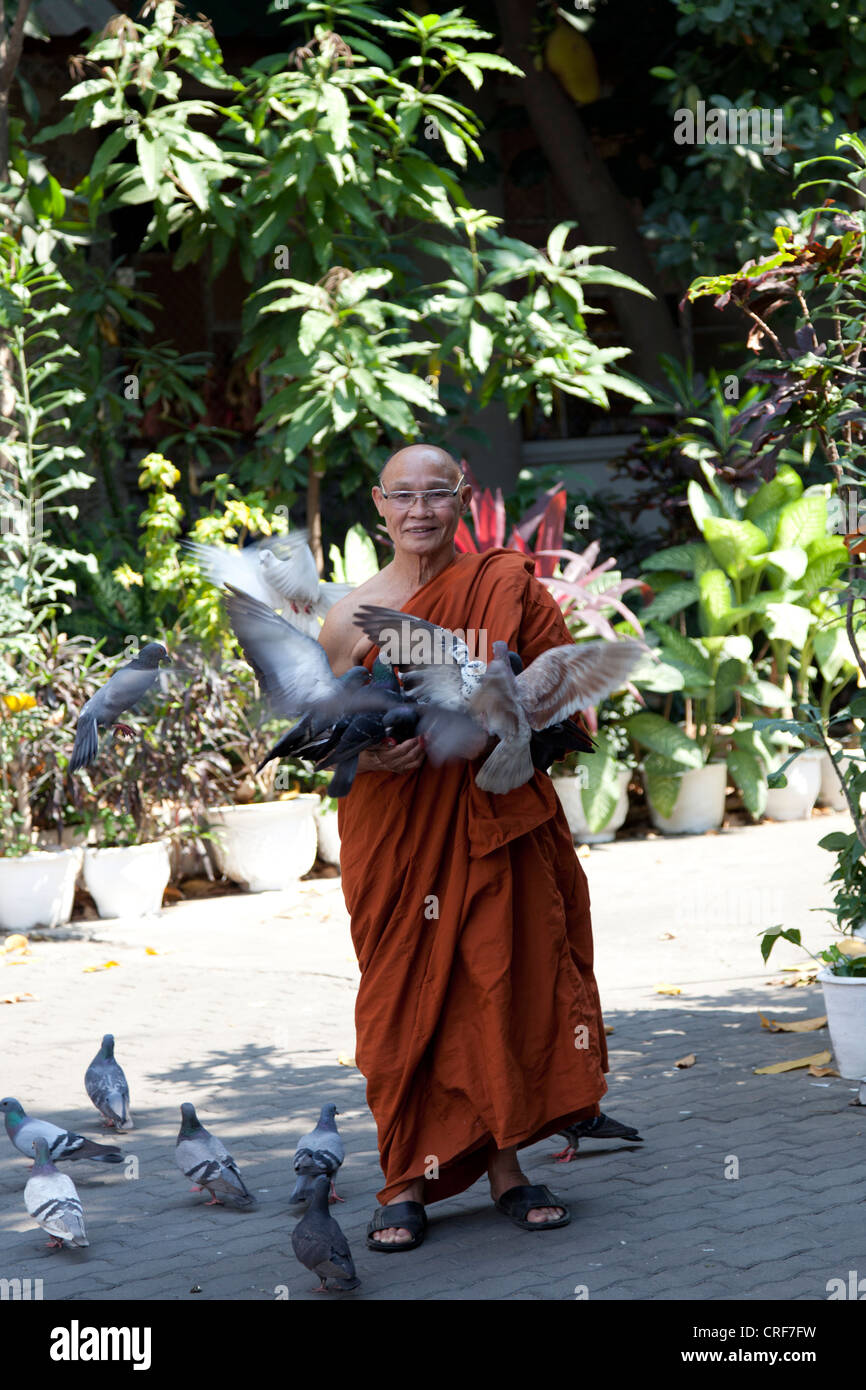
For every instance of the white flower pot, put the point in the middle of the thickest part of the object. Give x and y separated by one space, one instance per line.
569 790
127 881
830 792
700 805
36 890
845 1002
329 836
266 845
795 801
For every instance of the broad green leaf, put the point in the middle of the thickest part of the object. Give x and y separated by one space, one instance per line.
675 557
660 736
663 779
685 650
748 774
732 542
801 522
716 601
792 563
788 622
600 791
784 487
480 344
833 652
672 600
314 326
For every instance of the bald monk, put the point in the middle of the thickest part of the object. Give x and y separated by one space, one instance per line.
478 1022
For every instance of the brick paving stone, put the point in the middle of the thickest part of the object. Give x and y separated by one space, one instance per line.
248 1004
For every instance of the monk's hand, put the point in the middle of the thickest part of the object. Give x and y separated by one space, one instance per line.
400 757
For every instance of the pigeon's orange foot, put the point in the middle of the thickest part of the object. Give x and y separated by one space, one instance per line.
323 1288
125 730
55 1244
214 1202
196 1189
332 1196
567 1154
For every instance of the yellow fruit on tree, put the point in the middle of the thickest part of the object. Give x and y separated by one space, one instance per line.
570 57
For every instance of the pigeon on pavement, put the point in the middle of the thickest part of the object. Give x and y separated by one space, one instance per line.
24 1129
319 1243
319 1152
279 571
108 1088
121 691
599 1127
51 1199
207 1163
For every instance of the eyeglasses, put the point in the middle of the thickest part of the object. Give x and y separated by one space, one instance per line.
435 497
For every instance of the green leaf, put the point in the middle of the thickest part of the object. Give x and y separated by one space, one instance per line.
765 694
788 622
716 602
775 934
676 557
314 326
336 114
480 344
671 600
802 522
702 504
784 487
660 736
663 779
600 790
748 774
732 542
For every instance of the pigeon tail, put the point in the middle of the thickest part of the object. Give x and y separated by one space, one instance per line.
343 778
86 743
509 766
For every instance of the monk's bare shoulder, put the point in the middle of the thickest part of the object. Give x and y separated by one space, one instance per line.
345 644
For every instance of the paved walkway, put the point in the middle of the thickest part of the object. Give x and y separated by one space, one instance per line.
247 1005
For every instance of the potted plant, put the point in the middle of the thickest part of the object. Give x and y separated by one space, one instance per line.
126 877
843 979
593 787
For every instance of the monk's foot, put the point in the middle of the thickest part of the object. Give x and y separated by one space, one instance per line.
398 1235
505 1172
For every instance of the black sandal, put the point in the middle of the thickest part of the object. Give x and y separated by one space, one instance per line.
518 1201
410 1215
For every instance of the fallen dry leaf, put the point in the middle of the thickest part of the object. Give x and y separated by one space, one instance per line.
667 936
16 942
14 998
346 1061
668 989
149 951
688 1061
823 1071
89 969
800 1025
851 946
608 1028
818 1059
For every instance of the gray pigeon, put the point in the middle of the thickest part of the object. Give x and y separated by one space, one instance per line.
24 1130
319 1152
319 1243
293 670
51 1199
107 1087
120 692
207 1163
599 1127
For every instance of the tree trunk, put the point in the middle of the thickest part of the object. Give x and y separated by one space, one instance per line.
10 51
599 208
314 515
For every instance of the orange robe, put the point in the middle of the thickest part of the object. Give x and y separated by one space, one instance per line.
477 1015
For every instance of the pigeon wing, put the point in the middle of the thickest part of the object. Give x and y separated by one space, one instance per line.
566 679
53 1202
236 567
375 622
292 668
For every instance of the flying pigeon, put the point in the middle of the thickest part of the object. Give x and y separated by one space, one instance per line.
319 1243
599 1127
121 691
279 571
293 670
51 1199
416 644
308 738
207 1163
319 1152
107 1087
23 1130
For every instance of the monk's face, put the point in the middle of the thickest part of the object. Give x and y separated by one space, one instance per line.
425 526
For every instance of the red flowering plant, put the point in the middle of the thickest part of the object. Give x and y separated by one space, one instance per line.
590 596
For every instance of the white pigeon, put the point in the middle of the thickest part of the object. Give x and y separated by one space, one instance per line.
51 1199
277 570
